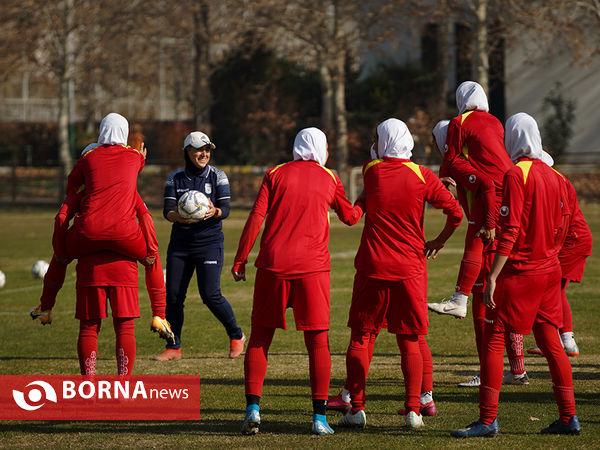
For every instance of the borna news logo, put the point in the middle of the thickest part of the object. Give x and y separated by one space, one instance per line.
55 397
35 396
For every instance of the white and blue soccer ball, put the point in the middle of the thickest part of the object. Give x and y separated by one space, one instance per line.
2 279
193 205
39 269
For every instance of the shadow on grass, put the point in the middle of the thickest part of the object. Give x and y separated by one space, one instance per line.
217 427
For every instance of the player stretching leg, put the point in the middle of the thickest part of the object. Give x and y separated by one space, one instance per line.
475 158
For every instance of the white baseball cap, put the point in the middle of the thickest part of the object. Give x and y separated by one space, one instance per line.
198 139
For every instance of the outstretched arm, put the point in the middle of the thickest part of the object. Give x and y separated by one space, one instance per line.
251 230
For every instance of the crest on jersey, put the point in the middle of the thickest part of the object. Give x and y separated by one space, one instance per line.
472 178
208 188
504 211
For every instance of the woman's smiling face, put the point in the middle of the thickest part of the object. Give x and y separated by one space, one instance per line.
199 156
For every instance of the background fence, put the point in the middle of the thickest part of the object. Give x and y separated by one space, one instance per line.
44 186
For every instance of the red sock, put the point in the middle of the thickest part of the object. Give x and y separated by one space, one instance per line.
53 281
549 343
125 345
87 345
255 360
478 320
155 284
412 369
567 314
370 350
317 344
514 350
470 266
427 383
357 367
492 368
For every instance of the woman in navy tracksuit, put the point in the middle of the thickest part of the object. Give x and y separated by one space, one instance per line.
197 245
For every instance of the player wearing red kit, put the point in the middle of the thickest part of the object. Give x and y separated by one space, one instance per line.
572 257
479 195
476 159
100 277
106 218
293 267
113 128
523 290
390 285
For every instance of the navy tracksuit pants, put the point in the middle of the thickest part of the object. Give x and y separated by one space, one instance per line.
208 263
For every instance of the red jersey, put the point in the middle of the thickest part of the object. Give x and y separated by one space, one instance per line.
106 269
579 237
107 209
393 239
534 216
295 198
71 206
476 141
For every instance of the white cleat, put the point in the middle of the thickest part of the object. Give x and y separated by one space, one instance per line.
509 378
358 420
473 382
414 420
455 306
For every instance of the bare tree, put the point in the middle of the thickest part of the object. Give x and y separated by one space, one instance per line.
324 35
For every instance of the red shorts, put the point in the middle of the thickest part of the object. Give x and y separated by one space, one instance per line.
91 302
307 296
525 300
572 266
402 304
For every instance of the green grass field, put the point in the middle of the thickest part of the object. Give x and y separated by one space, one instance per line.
28 348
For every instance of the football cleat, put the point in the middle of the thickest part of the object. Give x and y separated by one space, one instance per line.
535 351
163 328
558 427
358 420
509 378
236 346
477 429
170 354
572 349
414 420
251 421
320 425
473 382
428 409
44 316
337 403
455 306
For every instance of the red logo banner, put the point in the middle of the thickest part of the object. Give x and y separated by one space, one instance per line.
74 397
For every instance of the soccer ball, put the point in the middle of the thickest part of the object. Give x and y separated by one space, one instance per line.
2 279
193 205
39 269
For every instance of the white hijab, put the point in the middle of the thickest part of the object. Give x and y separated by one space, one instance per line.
395 141
440 131
89 147
114 130
522 137
546 158
310 145
470 95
